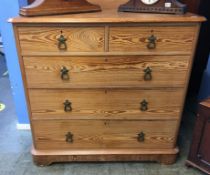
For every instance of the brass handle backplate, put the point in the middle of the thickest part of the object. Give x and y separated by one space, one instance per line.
64 73
152 42
62 45
69 137
144 105
141 137
148 74
67 106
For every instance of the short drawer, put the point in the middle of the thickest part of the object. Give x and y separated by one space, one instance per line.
120 71
87 134
35 40
105 104
152 39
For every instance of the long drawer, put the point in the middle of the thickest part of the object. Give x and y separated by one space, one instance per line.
106 104
120 71
152 39
58 39
75 134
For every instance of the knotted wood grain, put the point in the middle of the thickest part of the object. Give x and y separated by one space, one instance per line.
104 134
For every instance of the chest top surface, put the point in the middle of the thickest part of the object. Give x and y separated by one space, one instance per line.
110 14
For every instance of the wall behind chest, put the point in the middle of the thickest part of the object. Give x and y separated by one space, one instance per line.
11 56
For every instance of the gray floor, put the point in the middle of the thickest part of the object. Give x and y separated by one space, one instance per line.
15 158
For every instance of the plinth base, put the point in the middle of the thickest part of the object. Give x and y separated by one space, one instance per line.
45 157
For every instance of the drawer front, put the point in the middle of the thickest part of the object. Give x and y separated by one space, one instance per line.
126 71
105 104
49 39
154 39
77 134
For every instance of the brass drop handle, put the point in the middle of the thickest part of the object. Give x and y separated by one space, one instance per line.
62 43
141 137
148 74
144 105
67 106
152 42
69 137
64 73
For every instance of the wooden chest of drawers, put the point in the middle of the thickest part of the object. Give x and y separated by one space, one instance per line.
106 86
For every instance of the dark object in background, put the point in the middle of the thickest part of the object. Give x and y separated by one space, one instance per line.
56 7
30 1
199 155
192 5
1 45
200 7
155 6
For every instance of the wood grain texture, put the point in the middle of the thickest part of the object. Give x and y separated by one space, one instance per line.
188 75
56 7
24 79
44 72
107 55
45 39
106 104
169 39
110 16
99 72
47 157
104 134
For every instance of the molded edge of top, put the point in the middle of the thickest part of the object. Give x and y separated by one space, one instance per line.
109 16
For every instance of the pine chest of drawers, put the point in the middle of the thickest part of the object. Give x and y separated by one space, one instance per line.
106 86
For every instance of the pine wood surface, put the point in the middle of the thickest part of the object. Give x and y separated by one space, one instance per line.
45 39
103 85
102 104
100 72
104 134
98 152
169 38
47 157
110 16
